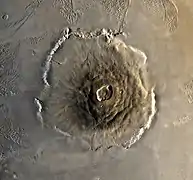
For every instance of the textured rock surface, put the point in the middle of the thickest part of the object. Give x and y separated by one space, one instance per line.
29 29
101 91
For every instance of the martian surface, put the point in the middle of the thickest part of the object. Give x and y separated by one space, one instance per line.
96 89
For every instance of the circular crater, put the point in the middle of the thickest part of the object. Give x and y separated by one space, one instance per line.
101 93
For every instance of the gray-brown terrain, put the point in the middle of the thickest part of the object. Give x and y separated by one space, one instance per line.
69 108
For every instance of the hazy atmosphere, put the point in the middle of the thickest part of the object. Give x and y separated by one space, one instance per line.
96 90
